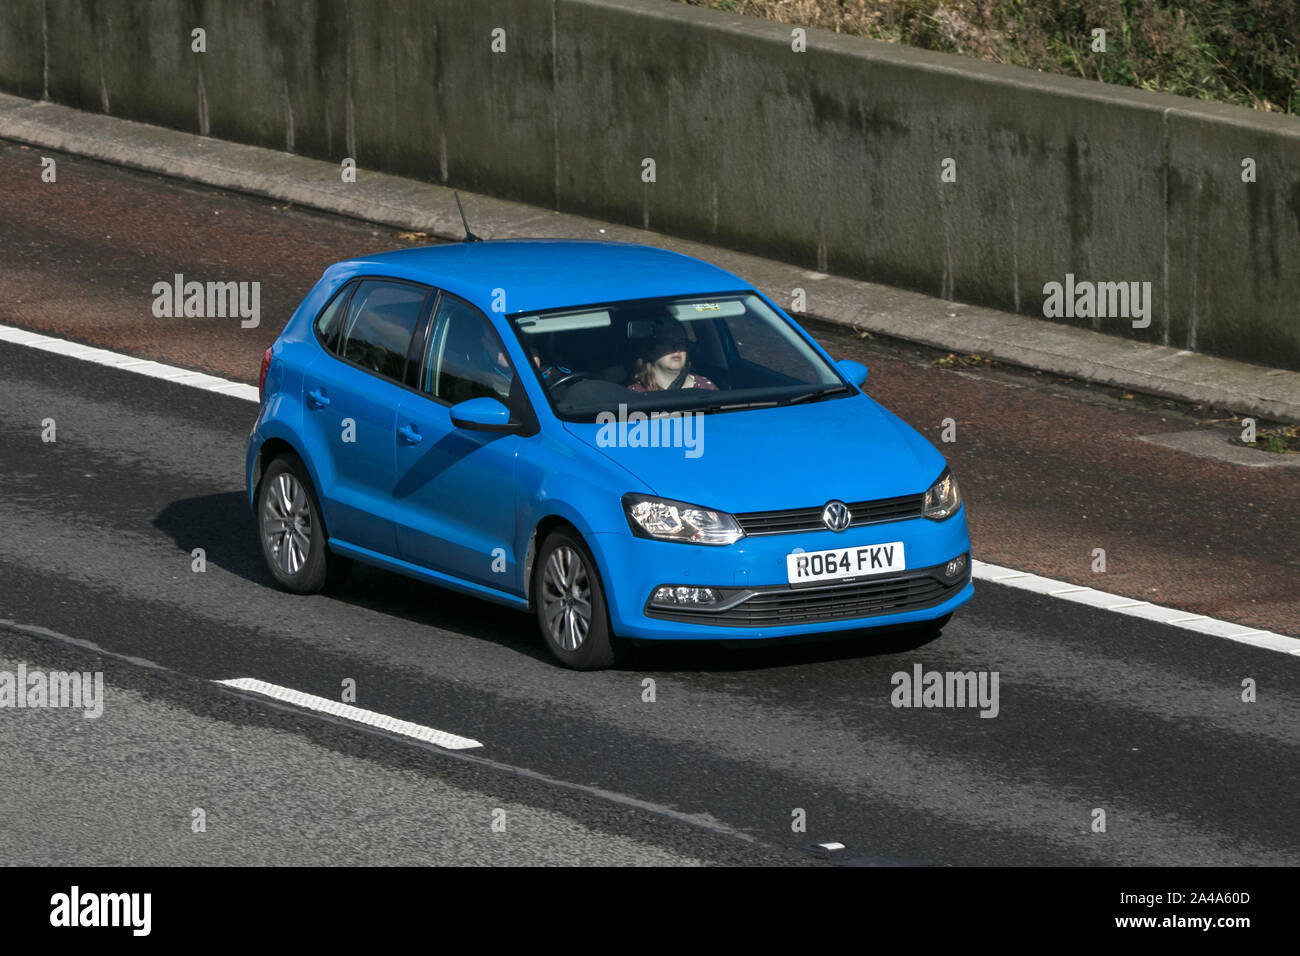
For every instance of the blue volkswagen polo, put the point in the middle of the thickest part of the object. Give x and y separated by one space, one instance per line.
630 443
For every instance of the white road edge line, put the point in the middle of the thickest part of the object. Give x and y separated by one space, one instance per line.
1064 591
358 715
980 570
128 363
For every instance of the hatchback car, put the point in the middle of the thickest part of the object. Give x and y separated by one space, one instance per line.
629 443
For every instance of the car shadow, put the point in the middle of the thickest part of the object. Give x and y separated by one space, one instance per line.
757 655
224 527
418 602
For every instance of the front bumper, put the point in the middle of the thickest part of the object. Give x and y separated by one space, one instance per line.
759 603
779 605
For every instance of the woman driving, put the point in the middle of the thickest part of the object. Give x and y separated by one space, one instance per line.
665 364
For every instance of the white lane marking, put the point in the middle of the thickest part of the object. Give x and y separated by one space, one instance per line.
129 363
1063 590
356 714
1143 609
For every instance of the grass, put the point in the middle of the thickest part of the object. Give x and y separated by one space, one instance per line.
1280 439
953 360
1245 52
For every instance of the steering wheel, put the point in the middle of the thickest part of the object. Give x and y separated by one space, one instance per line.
567 379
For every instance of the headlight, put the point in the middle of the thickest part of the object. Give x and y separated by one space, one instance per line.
667 520
943 498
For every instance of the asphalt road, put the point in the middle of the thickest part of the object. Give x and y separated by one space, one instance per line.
154 782
1052 470
1095 711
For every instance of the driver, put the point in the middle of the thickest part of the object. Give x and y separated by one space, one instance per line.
665 363
549 373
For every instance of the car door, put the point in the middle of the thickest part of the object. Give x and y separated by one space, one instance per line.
456 487
350 401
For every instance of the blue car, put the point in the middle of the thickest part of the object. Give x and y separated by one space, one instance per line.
627 442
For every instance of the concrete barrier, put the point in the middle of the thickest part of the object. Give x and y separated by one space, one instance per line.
834 157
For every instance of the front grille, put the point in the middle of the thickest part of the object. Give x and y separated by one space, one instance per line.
810 519
781 605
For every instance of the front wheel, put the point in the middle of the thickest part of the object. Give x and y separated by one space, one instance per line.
292 532
570 605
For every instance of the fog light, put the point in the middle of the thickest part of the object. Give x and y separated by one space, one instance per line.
955 567
688 596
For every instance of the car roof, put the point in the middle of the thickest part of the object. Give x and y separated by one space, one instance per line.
551 273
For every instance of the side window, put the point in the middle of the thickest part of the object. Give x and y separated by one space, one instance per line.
466 358
327 323
382 317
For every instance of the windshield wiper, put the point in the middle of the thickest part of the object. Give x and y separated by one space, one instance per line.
816 393
722 405
734 406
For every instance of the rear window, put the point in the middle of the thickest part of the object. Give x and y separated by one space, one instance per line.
327 323
382 317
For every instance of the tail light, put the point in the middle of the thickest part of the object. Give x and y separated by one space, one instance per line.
261 376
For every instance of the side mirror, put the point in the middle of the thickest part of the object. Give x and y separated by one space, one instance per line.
855 372
482 414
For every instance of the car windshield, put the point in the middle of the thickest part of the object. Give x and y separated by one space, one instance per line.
691 353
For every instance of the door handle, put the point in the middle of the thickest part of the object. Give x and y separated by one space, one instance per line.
318 398
410 435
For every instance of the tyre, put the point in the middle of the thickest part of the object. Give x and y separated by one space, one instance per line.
292 531
570 605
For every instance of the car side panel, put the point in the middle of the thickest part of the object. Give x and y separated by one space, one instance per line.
280 414
352 442
558 477
454 498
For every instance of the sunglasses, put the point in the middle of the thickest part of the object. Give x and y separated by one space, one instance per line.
669 345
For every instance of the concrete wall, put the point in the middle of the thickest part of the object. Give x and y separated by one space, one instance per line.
830 158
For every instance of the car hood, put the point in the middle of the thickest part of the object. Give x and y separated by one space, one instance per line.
769 459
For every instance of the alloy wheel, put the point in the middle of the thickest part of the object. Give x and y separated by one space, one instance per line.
286 523
566 598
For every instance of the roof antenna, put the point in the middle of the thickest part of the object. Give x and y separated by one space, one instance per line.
469 236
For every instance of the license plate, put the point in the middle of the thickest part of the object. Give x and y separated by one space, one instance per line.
844 564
